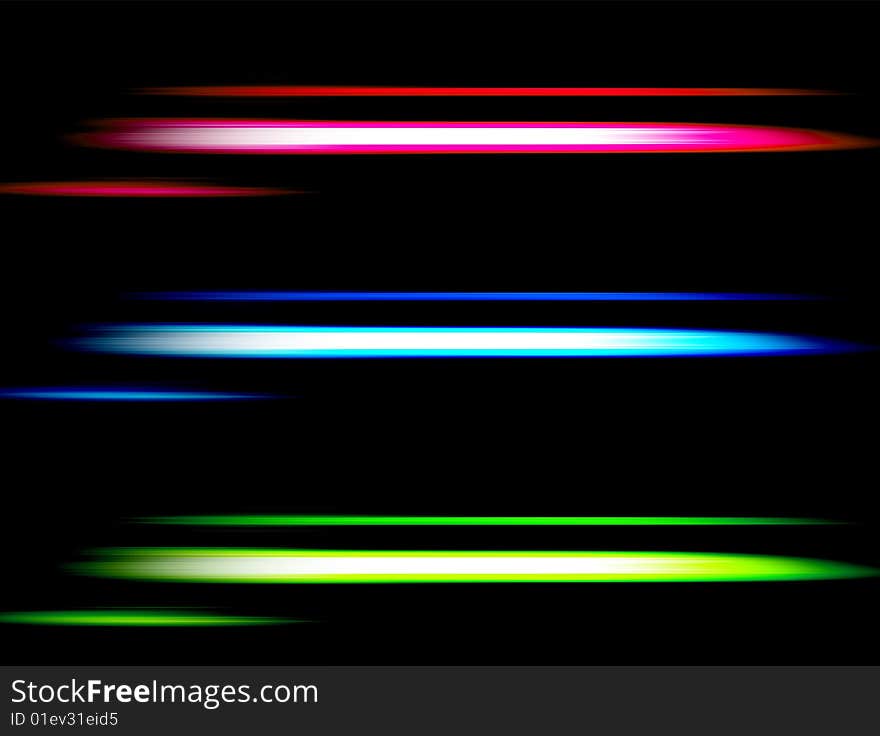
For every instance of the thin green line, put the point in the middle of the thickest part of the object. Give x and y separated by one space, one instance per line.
124 617
281 520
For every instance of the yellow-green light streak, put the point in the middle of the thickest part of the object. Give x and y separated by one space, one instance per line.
131 617
233 565
281 520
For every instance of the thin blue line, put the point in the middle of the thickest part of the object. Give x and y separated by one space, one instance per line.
192 327
75 394
466 296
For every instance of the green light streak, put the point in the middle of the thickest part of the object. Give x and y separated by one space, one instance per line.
129 617
231 565
346 520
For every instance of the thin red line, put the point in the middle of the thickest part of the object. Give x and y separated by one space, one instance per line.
370 91
133 188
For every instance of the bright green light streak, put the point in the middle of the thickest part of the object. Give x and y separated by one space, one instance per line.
128 617
231 565
343 520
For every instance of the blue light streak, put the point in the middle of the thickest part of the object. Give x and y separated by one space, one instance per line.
102 394
251 341
465 296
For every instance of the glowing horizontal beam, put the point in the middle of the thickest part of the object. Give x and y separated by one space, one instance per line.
302 136
343 520
377 91
78 394
466 296
133 188
237 341
207 565
130 617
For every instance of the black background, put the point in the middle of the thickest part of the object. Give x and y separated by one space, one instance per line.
749 436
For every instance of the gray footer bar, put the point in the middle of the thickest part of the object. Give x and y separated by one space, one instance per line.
624 701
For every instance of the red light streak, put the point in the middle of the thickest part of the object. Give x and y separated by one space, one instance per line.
348 137
133 188
376 91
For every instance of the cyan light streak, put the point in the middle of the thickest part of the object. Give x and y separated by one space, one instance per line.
225 565
294 520
466 296
252 341
132 617
80 394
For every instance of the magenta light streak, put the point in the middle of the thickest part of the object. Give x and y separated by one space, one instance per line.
285 90
300 136
132 188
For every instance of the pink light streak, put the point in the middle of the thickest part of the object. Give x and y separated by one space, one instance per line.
340 137
132 188
390 91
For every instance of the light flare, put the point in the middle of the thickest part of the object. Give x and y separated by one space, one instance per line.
212 135
219 565
252 341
